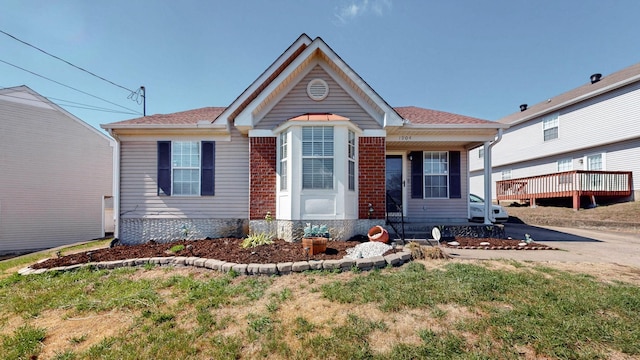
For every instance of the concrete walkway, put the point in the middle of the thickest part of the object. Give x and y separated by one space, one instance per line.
577 245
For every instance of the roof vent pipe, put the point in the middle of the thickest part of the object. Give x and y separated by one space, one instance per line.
595 78
523 107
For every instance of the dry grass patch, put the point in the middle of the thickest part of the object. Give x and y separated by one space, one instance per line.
79 333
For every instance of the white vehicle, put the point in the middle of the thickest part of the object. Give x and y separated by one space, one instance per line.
476 206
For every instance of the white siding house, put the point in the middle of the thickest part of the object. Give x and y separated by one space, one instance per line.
56 175
591 128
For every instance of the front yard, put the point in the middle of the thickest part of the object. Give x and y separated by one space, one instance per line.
426 309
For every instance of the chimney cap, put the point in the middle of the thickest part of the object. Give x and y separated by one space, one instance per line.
595 78
523 107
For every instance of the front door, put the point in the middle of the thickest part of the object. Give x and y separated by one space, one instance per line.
394 183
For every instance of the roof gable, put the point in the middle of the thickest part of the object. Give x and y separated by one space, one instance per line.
287 71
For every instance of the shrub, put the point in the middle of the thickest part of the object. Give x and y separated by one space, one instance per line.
257 239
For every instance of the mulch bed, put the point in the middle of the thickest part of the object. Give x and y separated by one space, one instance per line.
229 250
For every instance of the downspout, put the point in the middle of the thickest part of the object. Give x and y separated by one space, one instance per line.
488 213
116 185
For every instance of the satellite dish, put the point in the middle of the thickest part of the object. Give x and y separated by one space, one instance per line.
435 233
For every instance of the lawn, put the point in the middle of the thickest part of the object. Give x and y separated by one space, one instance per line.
435 309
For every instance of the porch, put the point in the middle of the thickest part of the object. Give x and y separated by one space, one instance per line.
573 184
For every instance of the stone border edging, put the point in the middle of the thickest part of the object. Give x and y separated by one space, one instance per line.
379 262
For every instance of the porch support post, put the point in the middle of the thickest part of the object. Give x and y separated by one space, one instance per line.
487 184
576 200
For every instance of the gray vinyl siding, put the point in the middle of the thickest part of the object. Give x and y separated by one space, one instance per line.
622 156
607 123
54 173
605 119
138 186
297 102
446 210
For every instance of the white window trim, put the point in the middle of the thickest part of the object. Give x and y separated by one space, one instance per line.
603 161
424 175
352 160
284 184
555 119
174 168
564 161
332 157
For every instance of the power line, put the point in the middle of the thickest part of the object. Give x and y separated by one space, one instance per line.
78 105
65 61
70 87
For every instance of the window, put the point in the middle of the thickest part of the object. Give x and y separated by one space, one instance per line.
186 168
317 157
550 127
594 162
481 153
506 174
185 164
351 151
436 170
565 165
284 155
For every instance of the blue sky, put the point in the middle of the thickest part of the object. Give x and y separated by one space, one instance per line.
472 57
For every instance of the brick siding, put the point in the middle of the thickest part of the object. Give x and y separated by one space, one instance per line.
371 177
262 177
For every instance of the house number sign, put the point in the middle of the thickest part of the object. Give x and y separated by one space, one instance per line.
404 137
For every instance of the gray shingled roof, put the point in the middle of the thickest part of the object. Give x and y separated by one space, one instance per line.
607 83
414 115
189 117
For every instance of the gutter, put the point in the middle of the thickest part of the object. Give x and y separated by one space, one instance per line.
488 213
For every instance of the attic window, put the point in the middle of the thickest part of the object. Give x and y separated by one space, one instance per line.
317 89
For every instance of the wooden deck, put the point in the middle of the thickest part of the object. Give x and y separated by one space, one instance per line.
573 184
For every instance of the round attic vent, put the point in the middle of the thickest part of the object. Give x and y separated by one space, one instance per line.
317 89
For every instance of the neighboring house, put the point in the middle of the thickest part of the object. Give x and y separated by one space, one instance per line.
583 144
309 141
56 175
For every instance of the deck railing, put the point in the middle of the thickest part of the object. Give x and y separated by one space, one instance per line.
573 184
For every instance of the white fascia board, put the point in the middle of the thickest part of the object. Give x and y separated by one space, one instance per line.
302 40
492 125
261 133
578 99
245 118
355 96
374 133
391 117
210 126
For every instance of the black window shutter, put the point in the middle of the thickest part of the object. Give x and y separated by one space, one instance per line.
207 171
164 168
417 176
455 175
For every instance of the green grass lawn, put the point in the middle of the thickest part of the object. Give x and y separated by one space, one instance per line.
423 310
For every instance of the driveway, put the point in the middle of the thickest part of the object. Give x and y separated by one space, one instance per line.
577 245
